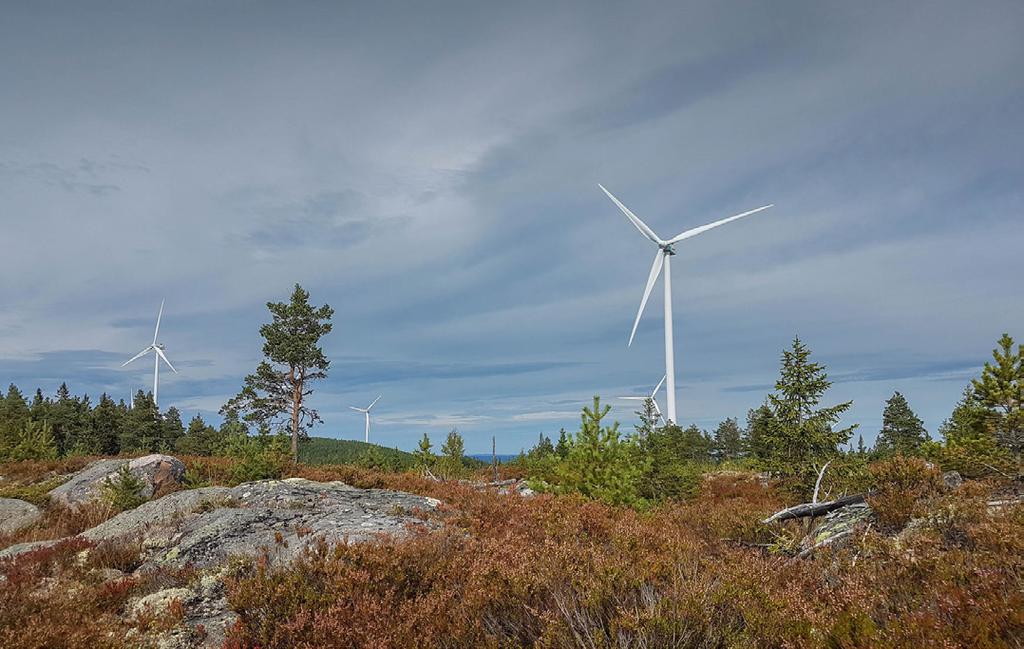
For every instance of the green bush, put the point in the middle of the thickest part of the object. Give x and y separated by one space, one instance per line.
258 457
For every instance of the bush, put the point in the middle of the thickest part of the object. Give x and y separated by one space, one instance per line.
258 457
902 491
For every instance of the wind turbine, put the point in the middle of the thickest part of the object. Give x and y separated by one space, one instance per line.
158 353
366 411
666 250
652 398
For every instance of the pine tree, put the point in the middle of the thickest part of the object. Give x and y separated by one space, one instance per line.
802 435
600 464
201 439
728 441
1001 390
970 441
14 414
35 442
425 457
902 431
276 394
452 451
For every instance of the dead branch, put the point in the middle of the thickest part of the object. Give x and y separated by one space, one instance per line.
814 509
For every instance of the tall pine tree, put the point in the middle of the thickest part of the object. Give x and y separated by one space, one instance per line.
276 394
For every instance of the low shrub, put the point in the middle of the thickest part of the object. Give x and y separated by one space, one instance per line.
903 487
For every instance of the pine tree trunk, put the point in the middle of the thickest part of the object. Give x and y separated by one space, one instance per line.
296 406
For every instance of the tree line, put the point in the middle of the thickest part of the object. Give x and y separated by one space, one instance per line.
791 436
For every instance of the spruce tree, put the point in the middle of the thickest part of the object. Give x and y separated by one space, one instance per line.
171 430
802 434
759 424
142 430
104 432
276 394
727 441
1001 390
563 445
902 431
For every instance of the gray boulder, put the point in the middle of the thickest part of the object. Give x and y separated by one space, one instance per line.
952 479
16 514
156 471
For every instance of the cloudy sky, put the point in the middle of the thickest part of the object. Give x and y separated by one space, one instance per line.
430 171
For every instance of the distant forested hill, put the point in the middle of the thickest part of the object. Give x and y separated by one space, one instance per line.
324 450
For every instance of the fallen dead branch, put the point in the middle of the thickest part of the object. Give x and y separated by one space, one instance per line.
814 509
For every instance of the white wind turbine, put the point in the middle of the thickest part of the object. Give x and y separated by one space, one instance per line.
652 397
158 353
366 411
661 259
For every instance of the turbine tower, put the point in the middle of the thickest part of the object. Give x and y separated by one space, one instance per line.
666 249
653 399
366 411
158 353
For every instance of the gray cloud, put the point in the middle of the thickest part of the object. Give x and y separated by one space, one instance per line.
431 173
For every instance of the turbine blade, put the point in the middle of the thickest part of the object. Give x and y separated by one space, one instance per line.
659 261
704 228
158 316
640 225
632 398
374 401
658 387
658 410
137 356
160 353
356 409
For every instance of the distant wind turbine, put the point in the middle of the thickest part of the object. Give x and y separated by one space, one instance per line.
158 353
652 397
366 411
661 258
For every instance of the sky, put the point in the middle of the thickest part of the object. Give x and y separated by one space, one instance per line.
430 170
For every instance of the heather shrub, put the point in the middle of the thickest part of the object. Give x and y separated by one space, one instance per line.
903 488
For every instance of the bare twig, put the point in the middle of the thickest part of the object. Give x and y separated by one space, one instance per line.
817 484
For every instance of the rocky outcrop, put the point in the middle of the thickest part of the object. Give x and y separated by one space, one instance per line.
156 471
208 527
204 527
16 514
